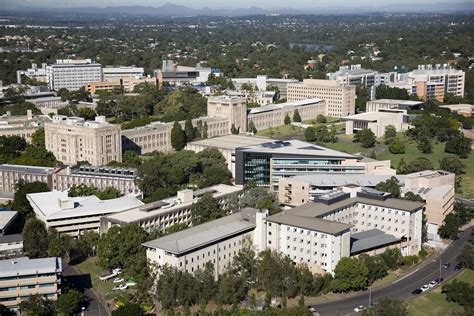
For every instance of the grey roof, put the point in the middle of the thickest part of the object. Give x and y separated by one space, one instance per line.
317 224
394 101
6 217
27 169
25 266
370 239
207 233
335 180
11 238
279 106
296 147
231 141
320 209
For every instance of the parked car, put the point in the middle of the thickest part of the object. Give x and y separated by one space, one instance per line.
439 280
417 291
457 267
116 288
359 308
123 286
117 271
446 265
118 280
433 283
425 287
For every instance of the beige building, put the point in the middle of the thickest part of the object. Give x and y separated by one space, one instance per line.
22 277
23 126
378 121
11 174
232 108
462 109
388 104
156 136
127 83
71 139
340 99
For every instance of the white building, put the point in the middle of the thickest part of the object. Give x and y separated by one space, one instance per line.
74 215
111 73
72 74
378 121
388 104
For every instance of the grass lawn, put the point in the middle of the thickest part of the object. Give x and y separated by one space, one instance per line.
283 131
438 306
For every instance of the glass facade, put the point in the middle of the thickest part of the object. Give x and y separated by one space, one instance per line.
257 168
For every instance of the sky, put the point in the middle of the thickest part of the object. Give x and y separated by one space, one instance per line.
218 4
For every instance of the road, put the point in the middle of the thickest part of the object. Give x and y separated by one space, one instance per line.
466 202
82 282
401 288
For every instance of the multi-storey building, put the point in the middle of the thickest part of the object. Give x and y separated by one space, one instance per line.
23 126
72 139
11 174
378 121
22 277
340 98
112 73
72 74
168 212
388 104
176 74
232 108
11 245
215 242
261 83
266 163
156 136
75 215
127 83
354 75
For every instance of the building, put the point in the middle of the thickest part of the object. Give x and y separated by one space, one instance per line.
22 277
168 212
72 139
388 104
216 242
127 83
23 126
74 215
156 136
462 109
7 219
340 99
11 245
340 224
35 73
262 83
112 73
378 121
11 174
46 102
232 108
226 145
72 74
266 163
354 75
178 75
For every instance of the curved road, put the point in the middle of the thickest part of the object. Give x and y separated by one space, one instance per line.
401 288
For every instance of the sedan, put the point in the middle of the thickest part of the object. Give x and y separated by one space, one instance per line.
457 267
359 308
118 280
433 283
446 265
123 287
425 287
439 280
116 288
417 291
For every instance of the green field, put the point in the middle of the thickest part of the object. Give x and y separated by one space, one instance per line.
283 131
434 303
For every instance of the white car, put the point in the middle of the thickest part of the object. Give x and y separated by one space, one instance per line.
123 287
359 308
117 271
433 283
425 287
118 280
116 288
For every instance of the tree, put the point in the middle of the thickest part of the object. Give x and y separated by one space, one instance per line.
204 130
205 209
366 137
390 307
20 202
244 263
321 119
128 309
350 274
391 186
87 114
424 145
310 134
459 145
287 120
466 258
452 164
178 137
410 196
450 227
206 283
376 266
261 198
233 130
232 288
390 134
5 311
252 127
37 305
393 258
396 147
385 92
459 292
419 164
69 302
402 167
189 130
37 138
108 251
272 263
35 238
296 116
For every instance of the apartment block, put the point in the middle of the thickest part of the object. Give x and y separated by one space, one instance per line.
72 139
72 74
75 215
156 136
22 277
168 212
339 98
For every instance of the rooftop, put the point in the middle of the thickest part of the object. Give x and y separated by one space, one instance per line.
27 169
25 266
279 106
335 180
296 147
317 224
207 233
370 239
374 116
6 217
57 205
11 238
231 141
396 102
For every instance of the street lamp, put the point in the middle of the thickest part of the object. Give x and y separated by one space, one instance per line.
83 311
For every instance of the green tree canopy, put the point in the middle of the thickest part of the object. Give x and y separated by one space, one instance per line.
35 238
350 274
178 137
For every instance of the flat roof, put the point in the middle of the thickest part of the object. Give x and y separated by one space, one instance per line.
394 101
429 174
279 106
154 209
6 217
48 204
370 239
207 233
311 223
334 180
372 116
11 238
25 266
27 169
296 147
231 141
